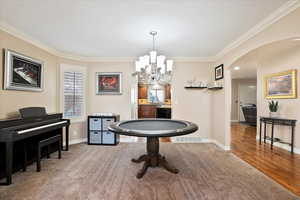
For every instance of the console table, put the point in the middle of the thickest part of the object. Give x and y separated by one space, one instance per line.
277 121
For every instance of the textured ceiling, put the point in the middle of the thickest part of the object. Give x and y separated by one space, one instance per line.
119 28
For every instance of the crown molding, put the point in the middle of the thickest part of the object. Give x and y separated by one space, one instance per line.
25 37
194 59
281 12
284 10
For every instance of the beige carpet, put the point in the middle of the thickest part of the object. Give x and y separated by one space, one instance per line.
104 172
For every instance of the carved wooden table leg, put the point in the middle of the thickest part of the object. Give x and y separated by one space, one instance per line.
140 159
153 151
143 171
163 162
153 158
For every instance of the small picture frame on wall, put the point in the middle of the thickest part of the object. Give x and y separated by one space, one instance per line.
282 85
219 72
22 72
108 83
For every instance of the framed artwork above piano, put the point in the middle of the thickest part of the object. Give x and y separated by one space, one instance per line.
22 72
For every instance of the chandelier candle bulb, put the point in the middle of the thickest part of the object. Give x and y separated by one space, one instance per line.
138 66
147 60
144 60
141 61
163 68
170 65
161 60
153 55
148 69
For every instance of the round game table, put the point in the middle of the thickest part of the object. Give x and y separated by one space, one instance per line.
153 129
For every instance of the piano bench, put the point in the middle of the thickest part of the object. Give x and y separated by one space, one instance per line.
47 142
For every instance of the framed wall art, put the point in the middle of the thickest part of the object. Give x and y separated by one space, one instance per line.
108 83
281 85
22 72
219 72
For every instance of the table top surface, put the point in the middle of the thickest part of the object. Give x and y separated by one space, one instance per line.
153 127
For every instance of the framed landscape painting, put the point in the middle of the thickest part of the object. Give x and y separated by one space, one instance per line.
22 72
219 72
108 83
281 85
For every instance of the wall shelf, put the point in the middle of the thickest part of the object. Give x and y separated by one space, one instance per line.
209 88
215 88
190 87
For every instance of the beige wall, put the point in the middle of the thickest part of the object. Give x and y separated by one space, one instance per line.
287 27
193 105
214 124
275 57
234 100
120 104
12 100
288 108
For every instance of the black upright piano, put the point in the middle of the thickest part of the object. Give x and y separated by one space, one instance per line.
33 124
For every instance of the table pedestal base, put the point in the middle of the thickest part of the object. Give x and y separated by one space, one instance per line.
153 158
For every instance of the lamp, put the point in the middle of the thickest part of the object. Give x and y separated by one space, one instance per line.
154 69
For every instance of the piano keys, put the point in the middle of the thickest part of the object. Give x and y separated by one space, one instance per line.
41 127
13 133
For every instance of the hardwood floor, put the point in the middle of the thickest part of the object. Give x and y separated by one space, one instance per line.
279 164
165 139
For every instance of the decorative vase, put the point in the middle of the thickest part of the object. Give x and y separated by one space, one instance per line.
274 114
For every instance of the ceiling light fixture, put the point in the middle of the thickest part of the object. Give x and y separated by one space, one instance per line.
236 68
153 69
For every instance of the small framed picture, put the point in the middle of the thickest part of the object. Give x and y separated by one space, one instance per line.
282 85
22 72
219 72
108 83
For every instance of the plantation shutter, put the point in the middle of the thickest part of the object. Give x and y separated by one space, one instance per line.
73 94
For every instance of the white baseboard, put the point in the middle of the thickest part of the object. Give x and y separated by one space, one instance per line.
225 148
282 146
128 139
199 140
189 140
77 141
122 139
174 140
235 120
83 140
193 140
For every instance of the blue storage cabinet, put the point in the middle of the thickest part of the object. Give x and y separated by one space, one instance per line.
98 132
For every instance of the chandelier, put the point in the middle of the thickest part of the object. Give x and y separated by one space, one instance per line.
154 69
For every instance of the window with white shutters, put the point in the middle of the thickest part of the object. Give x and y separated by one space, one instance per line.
73 93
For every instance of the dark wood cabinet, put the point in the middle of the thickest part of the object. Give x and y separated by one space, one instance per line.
164 113
142 91
147 111
168 91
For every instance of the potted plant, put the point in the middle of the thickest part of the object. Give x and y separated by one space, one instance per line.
273 107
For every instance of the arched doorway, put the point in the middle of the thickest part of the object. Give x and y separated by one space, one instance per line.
268 59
